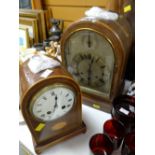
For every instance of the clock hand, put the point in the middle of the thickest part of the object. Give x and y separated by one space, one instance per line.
89 41
90 71
56 104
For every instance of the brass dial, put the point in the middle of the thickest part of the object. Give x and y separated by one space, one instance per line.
89 69
90 59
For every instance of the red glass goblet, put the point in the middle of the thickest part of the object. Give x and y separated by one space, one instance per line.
100 144
124 110
115 130
128 147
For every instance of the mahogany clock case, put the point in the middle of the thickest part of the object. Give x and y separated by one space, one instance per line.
118 34
56 130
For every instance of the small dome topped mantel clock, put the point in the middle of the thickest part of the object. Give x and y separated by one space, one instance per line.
51 105
95 52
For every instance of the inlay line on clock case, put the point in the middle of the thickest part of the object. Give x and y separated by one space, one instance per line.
117 38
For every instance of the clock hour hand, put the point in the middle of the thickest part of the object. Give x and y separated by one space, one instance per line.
89 41
56 104
90 70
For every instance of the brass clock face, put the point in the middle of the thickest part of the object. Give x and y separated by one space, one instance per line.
89 57
52 102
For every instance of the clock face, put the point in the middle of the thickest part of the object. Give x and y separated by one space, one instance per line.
52 102
89 57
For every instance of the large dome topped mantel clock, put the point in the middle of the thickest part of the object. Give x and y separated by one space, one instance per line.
95 52
51 105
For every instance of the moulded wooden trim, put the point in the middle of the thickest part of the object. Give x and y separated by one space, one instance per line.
113 4
36 4
68 13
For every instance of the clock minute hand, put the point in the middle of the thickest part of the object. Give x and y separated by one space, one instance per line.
90 70
89 41
56 104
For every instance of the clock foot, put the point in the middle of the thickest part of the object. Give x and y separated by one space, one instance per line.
41 147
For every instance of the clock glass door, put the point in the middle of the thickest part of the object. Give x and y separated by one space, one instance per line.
89 57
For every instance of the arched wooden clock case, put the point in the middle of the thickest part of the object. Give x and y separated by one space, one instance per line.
95 52
46 131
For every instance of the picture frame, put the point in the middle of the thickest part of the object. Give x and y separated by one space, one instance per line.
23 38
32 26
48 24
30 4
36 4
39 16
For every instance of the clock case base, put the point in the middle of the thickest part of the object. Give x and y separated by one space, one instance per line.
102 105
39 148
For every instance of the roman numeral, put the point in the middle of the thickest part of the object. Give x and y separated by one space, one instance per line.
43 115
67 95
52 93
102 67
69 100
38 111
97 59
101 80
44 98
38 105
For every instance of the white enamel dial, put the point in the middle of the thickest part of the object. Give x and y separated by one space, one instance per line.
52 102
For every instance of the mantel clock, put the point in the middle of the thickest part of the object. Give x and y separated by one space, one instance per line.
95 52
51 106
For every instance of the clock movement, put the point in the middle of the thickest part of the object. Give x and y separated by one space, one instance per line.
51 105
95 52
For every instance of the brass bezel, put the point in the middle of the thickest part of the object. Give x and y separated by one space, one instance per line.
41 91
